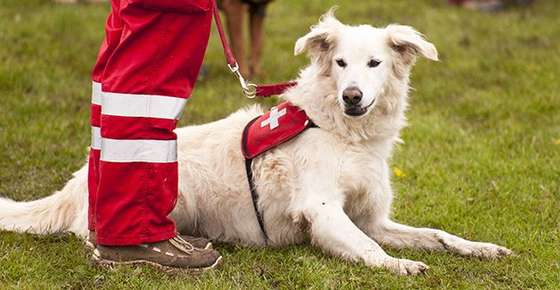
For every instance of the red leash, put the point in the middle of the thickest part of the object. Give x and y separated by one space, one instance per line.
249 89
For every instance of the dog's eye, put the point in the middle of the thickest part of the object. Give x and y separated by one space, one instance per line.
373 63
341 62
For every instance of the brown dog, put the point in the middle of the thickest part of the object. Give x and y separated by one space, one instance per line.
235 11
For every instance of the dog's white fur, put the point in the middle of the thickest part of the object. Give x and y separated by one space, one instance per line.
330 184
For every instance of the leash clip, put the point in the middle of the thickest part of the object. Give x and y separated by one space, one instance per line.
249 89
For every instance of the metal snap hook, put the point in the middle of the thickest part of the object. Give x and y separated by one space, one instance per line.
249 89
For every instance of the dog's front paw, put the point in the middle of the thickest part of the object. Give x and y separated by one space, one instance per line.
405 267
485 250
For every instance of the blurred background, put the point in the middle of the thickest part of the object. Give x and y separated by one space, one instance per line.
481 156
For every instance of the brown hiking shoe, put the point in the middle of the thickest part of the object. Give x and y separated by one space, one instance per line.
171 255
197 242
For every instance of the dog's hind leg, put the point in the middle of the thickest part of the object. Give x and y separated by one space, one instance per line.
333 231
402 236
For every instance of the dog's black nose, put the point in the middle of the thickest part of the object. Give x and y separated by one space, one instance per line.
352 96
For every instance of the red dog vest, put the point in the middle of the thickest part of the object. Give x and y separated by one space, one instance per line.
280 124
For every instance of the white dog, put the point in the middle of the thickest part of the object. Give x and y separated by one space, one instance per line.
330 184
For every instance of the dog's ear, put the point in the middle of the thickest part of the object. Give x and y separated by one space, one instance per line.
322 36
409 43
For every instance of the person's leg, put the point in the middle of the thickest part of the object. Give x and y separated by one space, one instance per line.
145 85
146 82
235 11
113 29
257 15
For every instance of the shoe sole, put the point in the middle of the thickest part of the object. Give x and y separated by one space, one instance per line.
110 264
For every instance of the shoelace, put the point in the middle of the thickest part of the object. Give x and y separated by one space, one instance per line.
182 245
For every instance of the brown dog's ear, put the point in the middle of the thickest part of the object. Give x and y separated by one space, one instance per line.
322 36
409 43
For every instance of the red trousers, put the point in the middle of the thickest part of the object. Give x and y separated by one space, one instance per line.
145 72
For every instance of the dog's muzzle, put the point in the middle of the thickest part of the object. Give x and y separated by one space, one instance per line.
352 97
357 110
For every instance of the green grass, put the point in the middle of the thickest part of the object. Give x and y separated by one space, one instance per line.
481 158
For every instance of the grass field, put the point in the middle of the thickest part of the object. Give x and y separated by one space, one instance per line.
481 159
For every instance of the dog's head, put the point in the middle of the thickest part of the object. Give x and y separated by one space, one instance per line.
362 60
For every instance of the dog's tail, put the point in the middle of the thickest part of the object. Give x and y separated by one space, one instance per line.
65 210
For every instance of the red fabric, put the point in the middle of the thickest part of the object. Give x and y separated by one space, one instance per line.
95 115
259 137
174 6
133 202
116 127
93 182
113 30
152 47
158 53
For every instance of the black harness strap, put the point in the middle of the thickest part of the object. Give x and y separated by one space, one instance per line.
255 197
252 188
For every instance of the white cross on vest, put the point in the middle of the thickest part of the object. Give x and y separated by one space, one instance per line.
273 118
